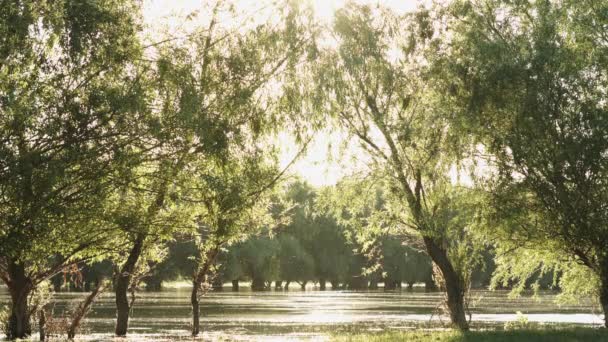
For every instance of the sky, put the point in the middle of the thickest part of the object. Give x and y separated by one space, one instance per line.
324 163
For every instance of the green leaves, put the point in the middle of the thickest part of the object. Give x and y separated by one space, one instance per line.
530 89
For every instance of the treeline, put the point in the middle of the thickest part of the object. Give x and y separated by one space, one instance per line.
482 126
311 248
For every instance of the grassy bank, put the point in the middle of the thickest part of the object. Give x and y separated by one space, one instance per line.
570 335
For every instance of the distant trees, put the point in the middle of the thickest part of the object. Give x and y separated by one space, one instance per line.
310 245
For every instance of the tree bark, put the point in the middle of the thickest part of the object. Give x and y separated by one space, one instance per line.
123 281
83 309
235 285
42 325
196 324
454 285
197 282
20 287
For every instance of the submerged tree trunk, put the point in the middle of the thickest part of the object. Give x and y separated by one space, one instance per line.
123 281
197 285
454 285
20 287
42 325
218 283
196 324
83 309
258 284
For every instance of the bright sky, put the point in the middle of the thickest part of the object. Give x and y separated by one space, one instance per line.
324 163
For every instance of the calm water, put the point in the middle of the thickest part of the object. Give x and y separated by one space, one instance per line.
308 315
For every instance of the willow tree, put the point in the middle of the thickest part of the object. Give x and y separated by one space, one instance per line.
374 83
233 197
215 89
530 78
69 96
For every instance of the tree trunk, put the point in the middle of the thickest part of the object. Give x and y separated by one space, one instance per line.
235 285
218 283
20 287
258 284
83 309
196 324
454 285
278 285
335 285
287 285
198 280
303 285
322 284
42 325
123 281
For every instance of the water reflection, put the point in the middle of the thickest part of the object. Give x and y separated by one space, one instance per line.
294 314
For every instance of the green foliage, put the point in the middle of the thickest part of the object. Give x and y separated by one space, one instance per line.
259 260
296 264
65 97
527 81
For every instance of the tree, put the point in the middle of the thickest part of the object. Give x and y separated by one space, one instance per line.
418 267
528 78
331 250
212 95
258 257
67 103
234 196
377 87
298 237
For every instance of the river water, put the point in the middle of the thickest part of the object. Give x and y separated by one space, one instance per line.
309 315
